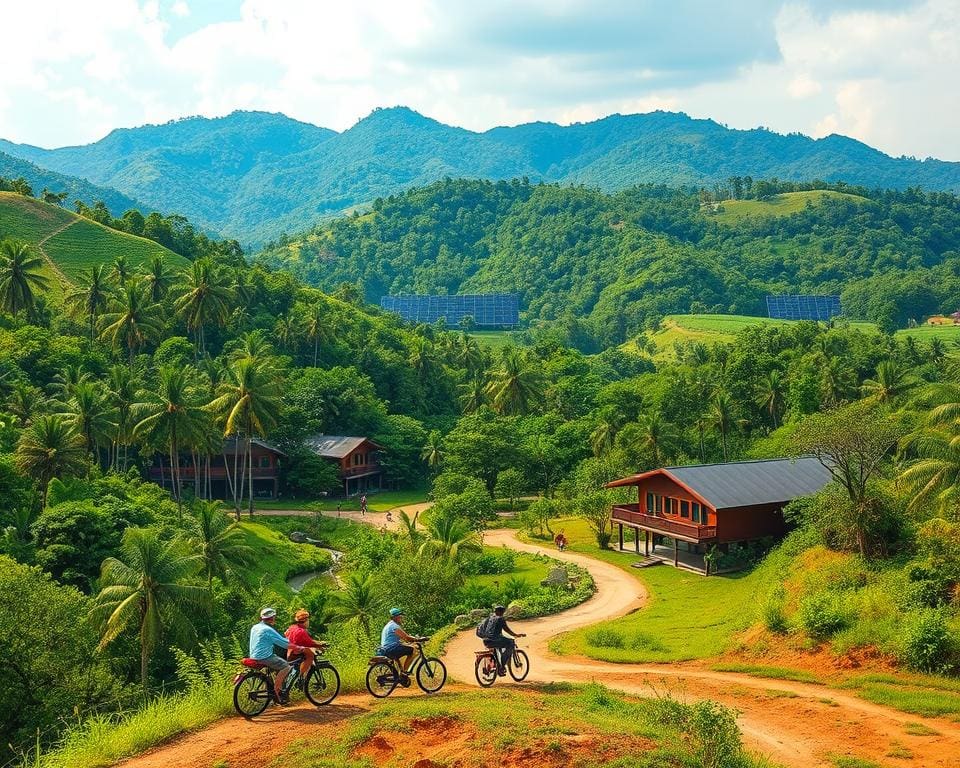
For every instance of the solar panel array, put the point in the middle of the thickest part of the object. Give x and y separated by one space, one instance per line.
791 307
491 310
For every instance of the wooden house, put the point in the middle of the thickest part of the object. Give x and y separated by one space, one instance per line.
357 460
683 512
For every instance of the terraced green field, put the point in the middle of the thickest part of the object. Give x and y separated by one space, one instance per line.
779 205
71 242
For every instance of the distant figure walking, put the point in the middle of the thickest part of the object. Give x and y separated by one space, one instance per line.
389 516
339 505
363 504
560 540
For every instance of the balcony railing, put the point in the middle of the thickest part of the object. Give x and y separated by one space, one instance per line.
362 469
630 513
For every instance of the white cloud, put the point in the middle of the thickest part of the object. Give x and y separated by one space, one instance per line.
882 73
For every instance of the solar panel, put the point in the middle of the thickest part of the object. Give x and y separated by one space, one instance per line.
492 310
796 307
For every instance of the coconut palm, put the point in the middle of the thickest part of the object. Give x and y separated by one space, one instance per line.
91 298
891 381
934 479
656 436
423 358
64 383
408 528
20 277
50 448
134 319
217 541
772 396
286 332
722 415
432 452
204 300
838 380
24 401
248 403
515 386
89 411
357 601
149 588
123 386
473 395
121 270
449 536
469 355
605 433
172 416
316 327
158 278
254 346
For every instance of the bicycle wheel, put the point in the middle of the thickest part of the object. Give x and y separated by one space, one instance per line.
323 685
519 665
252 694
431 674
381 679
486 671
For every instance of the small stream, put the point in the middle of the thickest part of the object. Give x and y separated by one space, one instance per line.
298 582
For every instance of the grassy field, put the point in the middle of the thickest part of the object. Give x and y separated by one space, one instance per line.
530 569
82 244
549 725
494 339
779 205
376 502
277 558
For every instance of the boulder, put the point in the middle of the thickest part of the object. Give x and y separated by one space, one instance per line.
479 613
298 537
514 611
463 621
556 578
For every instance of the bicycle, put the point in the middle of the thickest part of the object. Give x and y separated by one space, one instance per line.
485 667
383 674
254 689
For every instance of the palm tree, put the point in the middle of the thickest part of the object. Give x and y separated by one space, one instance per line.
249 404
605 433
254 346
449 536
218 542
473 395
50 448
357 601
90 412
158 278
838 381
67 380
316 327
24 401
423 358
20 276
469 354
934 479
515 386
432 452
124 388
285 331
205 300
890 382
656 436
172 416
148 588
722 414
772 396
92 297
134 320
121 270
408 528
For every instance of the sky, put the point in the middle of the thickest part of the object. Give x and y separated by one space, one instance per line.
880 71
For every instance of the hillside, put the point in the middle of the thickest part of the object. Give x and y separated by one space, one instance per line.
70 243
732 211
254 175
605 266
76 188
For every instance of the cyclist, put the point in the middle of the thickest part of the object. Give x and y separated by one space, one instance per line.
263 638
492 633
393 639
298 635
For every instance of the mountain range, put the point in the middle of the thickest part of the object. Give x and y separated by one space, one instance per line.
255 175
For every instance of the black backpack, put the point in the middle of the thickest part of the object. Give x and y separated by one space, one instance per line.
485 628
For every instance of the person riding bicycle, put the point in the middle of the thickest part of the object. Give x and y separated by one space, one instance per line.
301 643
491 631
263 638
393 639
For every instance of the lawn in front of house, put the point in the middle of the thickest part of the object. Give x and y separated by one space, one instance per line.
380 501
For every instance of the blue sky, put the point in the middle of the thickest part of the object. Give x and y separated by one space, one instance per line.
880 71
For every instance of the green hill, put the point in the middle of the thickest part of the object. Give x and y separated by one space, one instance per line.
70 243
253 175
732 211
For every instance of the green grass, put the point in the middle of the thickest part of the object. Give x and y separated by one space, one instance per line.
494 339
687 615
376 502
277 558
927 333
844 761
924 695
529 568
774 673
919 729
549 725
735 211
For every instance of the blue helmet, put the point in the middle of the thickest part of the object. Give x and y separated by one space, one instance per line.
394 612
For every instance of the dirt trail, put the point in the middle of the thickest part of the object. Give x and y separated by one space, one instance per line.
794 723
50 262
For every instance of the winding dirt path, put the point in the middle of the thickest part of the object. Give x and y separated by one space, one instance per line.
796 724
50 262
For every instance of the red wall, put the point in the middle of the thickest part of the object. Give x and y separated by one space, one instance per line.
664 486
742 523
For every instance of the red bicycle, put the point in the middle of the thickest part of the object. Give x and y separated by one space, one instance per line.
485 667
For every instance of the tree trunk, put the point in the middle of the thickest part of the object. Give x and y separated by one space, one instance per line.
250 467
231 485
316 344
175 476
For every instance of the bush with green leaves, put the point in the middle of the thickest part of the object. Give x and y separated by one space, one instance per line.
491 562
822 615
774 611
927 644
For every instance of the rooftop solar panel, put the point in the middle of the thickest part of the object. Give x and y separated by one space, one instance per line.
493 310
799 307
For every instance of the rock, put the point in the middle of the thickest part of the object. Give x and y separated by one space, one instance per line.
556 578
299 537
463 621
513 611
478 613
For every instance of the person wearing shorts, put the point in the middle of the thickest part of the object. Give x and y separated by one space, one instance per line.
263 638
393 643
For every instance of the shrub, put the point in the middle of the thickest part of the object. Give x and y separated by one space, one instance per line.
822 615
716 736
491 562
927 645
774 613
604 637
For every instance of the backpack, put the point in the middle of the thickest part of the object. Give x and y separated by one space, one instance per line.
485 628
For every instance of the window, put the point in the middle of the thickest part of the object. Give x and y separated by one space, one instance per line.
650 507
696 511
265 461
659 504
357 459
684 508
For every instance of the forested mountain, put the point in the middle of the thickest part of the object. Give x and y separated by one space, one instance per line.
75 188
254 175
611 264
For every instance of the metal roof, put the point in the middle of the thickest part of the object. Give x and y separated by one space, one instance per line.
746 483
230 445
335 446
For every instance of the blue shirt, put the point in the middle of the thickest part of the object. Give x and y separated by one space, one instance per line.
262 639
388 636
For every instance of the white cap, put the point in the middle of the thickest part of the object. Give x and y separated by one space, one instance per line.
268 613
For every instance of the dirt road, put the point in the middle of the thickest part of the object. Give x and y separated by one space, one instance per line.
794 723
